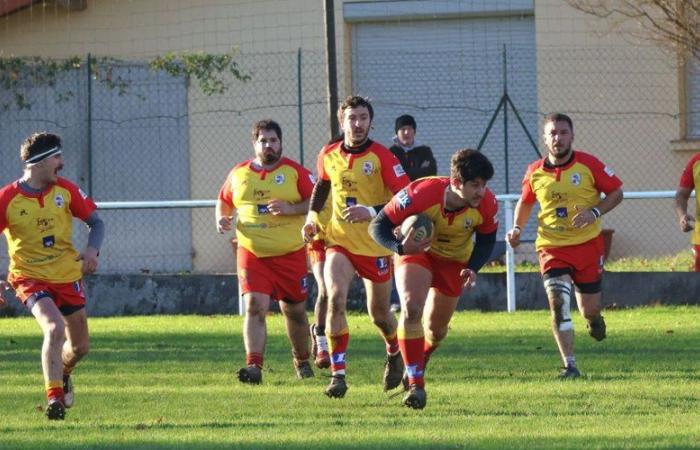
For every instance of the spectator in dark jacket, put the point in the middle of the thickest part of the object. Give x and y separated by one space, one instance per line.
417 160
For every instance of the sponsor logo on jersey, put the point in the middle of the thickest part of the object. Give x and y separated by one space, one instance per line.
58 200
82 194
348 184
367 168
312 178
44 224
48 241
468 223
262 209
561 213
609 171
575 178
279 178
350 201
260 194
403 199
398 170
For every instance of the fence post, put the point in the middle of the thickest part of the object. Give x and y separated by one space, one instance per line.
300 111
89 124
510 258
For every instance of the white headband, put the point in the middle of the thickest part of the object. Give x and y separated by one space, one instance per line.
42 156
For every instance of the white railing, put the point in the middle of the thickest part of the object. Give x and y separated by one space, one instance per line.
508 201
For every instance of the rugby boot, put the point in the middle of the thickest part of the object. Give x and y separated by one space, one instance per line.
303 369
337 387
322 359
55 410
569 373
596 328
67 391
393 371
416 397
250 375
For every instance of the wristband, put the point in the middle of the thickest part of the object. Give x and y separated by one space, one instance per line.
596 212
312 217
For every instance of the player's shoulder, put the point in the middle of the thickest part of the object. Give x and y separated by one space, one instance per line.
67 184
695 159
293 164
429 184
535 166
8 192
489 202
586 158
379 149
330 147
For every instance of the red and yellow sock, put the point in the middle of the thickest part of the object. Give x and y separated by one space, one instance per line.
412 341
339 345
254 359
54 390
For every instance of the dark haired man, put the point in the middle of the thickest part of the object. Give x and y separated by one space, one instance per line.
270 194
568 185
36 215
416 159
431 273
361 175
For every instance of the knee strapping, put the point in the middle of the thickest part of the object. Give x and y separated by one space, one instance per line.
559 293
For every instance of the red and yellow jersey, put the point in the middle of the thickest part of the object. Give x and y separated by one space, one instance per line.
249 189
367 178
39 230
453 230
560 191
691 179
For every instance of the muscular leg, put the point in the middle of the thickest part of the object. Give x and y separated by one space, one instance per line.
77 343
52 325
321 306
319 349
438 312
558 291
297 329
378 306
413 283
255 327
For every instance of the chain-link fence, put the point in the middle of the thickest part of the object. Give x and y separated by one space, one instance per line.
161 138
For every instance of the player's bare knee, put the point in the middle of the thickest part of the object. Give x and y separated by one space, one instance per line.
412 312
56 331
559 295
436 335
81 349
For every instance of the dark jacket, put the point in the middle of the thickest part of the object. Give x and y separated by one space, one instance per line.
418 162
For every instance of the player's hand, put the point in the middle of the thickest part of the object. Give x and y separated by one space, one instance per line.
4 286
308 231
224 223
583 217
686 222
412 247
513 237
356 213
469 277
89 258
279 207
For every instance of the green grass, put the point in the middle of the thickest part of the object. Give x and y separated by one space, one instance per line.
168 382
681 262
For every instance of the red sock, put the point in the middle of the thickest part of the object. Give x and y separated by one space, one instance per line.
254 359
413 358
392 344
339 345
55 393
428 350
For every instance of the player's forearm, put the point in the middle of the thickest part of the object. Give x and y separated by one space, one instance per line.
97 231
381 228
681 203
223 210
319 195
610 201
522 214
482 250
296 209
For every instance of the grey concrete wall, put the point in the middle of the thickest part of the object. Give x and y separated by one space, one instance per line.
111 295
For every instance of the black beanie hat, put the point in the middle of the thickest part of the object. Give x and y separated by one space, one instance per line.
404 120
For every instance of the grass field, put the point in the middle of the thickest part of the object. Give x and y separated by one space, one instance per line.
168 382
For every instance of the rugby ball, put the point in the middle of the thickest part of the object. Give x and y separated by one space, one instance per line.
419 222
